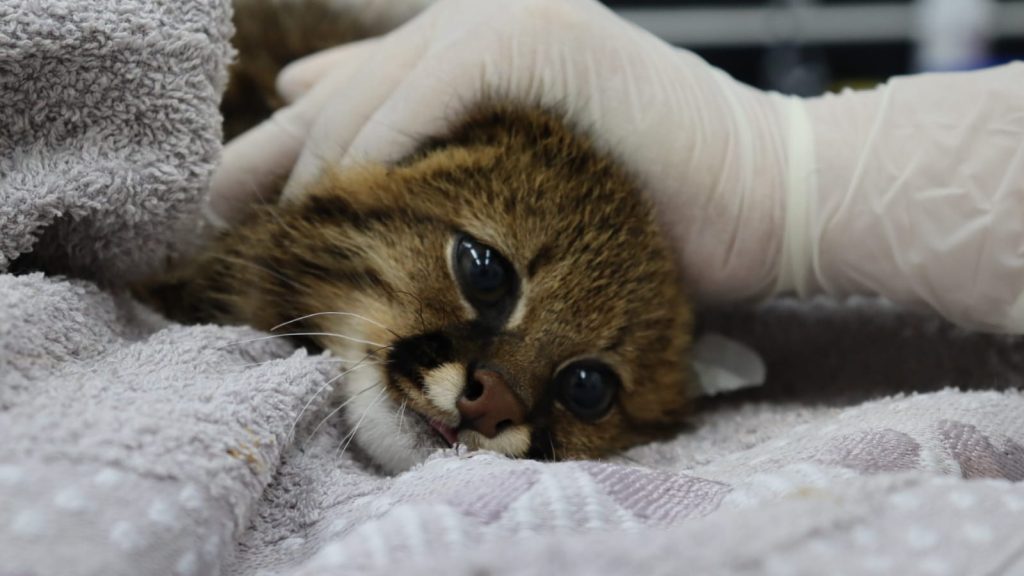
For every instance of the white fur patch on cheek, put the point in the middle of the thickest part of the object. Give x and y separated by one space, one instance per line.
388 434
444 385
514 441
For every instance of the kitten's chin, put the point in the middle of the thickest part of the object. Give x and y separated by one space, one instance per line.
394 438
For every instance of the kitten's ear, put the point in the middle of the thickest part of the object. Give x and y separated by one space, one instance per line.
725 365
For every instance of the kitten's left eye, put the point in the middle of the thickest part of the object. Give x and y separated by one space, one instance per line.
587 389
485 276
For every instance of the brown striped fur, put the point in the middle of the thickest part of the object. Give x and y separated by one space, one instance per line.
598 279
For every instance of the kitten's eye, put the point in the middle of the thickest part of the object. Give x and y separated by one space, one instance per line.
587 389
484 275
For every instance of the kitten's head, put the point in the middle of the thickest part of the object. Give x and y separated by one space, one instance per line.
512 287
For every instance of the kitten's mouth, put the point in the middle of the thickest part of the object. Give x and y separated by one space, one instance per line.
449 434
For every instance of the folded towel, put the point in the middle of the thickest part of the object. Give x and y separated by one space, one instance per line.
131 445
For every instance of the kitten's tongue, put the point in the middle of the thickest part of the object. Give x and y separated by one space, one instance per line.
447 432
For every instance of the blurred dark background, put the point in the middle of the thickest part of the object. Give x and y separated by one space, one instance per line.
809 46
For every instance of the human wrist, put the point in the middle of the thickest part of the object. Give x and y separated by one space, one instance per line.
842 131
768 122
917 195
796 258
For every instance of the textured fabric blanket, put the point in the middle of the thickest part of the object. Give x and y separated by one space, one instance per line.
883 443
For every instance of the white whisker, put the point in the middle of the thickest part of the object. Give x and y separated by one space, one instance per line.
351 361
349 314
401 415
314 396
342 405
332 334
351 435
331 360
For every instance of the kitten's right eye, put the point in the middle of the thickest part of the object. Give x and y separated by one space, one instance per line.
486 278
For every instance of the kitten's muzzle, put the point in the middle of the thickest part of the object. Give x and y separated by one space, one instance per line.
488 404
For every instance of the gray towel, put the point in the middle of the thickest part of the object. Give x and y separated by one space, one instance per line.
108 129
130 445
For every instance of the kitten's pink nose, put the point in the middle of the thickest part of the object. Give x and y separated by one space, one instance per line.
488 405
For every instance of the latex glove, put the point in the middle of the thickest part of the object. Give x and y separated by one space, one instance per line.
256 164
911 191
915 191
710 151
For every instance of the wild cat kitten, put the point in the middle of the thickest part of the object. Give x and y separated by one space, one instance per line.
505 288
508 281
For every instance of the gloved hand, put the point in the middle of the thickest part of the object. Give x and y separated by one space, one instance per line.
913 191
710 151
